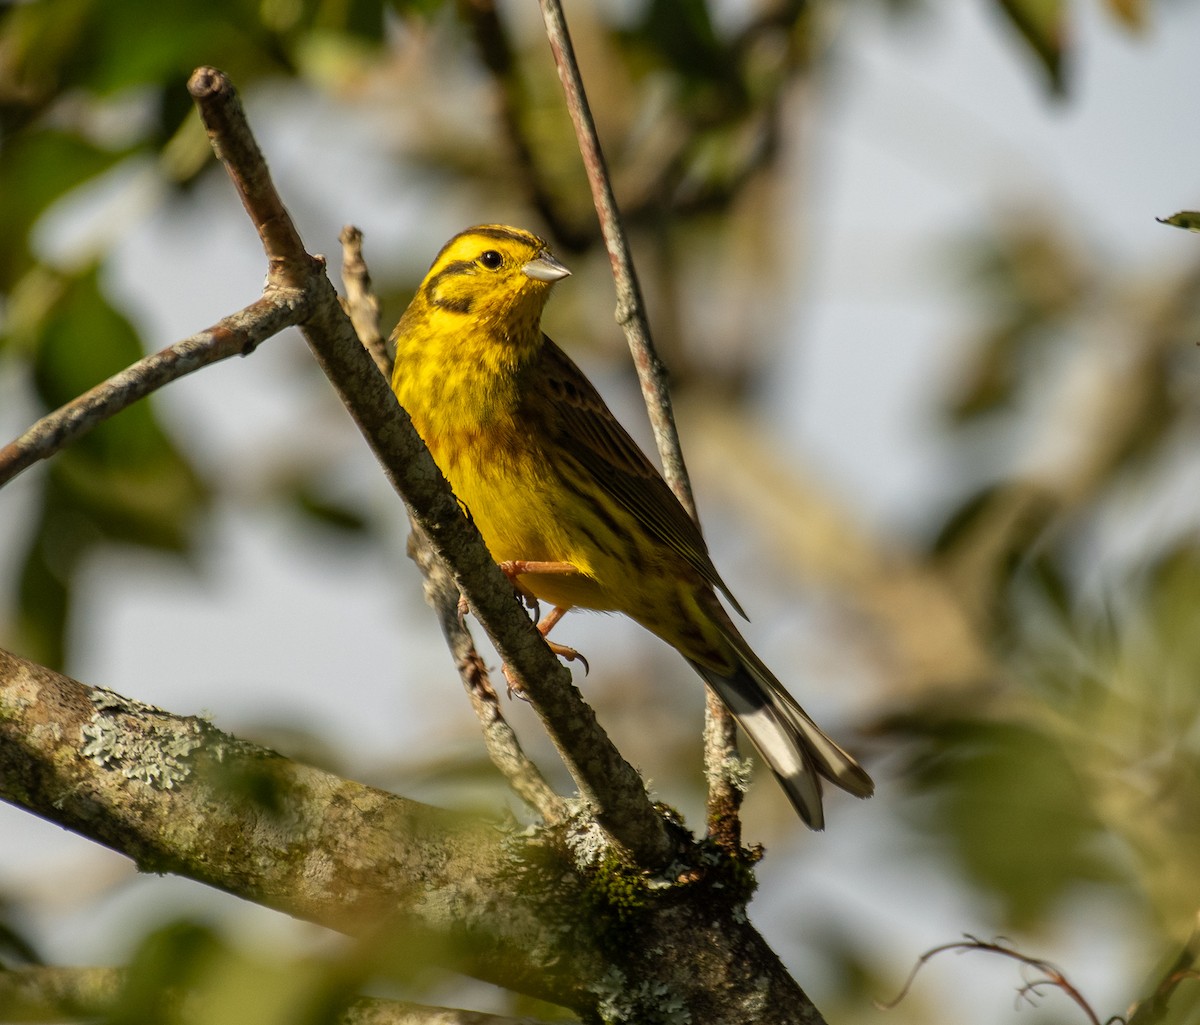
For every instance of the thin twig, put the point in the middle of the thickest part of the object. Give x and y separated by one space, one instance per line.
501 741
362 304
495 50
231 139
631 310
236 335
720 734
608 784
1053 976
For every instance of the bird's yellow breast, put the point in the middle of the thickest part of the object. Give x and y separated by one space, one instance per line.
515 499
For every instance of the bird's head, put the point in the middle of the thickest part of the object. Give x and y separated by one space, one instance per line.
496 275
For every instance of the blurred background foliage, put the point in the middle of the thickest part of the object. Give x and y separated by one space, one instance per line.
1047 732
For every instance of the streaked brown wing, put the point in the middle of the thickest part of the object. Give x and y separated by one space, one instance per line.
587 428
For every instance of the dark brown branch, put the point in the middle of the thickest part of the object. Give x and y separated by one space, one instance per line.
720 733
608 784
236 335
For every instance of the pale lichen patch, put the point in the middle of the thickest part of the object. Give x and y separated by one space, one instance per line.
124 735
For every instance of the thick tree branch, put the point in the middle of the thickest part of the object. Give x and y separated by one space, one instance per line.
176 795
532 913
610 786
721 760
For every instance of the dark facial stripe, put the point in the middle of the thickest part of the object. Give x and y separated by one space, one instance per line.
461 304
457 304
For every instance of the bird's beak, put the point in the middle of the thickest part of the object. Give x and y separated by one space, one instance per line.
545 267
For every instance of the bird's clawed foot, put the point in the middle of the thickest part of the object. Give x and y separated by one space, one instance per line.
561 650
515 690
513 569
569 654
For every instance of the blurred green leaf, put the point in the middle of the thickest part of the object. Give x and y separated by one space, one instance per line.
1008 800
1189 219
328 512
681 34
39 42
167 961
36 169
124 481
1042 26
15 946
44 583
1027 279
1174 592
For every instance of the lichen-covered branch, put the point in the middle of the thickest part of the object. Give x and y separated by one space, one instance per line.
177 795
552 914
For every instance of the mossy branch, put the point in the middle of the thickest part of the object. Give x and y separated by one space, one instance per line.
177 795
554 915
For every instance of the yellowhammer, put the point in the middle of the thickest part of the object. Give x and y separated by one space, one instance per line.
564 498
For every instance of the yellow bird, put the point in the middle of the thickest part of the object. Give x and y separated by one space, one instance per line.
566 501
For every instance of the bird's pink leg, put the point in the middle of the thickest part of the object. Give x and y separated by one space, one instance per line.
513 569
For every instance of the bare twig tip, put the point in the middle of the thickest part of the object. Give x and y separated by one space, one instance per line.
206 81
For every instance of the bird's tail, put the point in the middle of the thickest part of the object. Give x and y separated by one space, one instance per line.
798 753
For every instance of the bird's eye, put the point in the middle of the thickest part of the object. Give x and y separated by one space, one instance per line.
491 259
